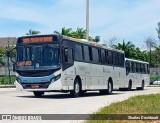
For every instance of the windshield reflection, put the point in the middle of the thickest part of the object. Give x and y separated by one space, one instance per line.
38 57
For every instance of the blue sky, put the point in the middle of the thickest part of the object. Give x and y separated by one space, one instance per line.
131 20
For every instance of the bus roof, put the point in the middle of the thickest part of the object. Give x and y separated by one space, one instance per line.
127 59
84 41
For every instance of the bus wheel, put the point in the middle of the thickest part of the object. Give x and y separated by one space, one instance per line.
38 93
129 86
142 86
110 87
76 91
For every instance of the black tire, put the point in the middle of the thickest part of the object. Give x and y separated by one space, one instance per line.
102 92
38 93
77 89
108 90
82 92
142 86
129 86
110 87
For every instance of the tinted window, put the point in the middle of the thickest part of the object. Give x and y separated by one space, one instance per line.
143 68
68 43
20 54
110 57
102 57
86 54
146 68
137 67
29 52
107 57
144 71
38 54
133 67
68 55
121 60
95 55
78 52
90 54
114 58
117 59
127 66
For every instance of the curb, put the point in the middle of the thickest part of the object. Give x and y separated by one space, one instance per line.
7 86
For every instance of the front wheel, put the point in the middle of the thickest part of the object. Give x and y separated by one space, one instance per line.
38 93
129 86
76 91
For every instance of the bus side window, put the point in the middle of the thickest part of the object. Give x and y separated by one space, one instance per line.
90 54
86 53
132 67
68 55
103 57
110 56
127 67
95 55
78 52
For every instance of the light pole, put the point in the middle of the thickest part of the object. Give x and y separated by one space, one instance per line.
87 20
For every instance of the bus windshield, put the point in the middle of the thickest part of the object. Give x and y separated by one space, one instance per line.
38 57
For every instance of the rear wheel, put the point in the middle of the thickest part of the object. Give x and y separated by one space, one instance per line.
142 86
110 87
38 93
76 91
129 86
108 90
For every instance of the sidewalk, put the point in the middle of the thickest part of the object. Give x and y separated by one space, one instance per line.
7 86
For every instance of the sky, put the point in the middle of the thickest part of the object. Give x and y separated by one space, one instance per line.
128 20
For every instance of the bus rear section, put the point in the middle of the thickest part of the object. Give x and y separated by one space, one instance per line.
137 74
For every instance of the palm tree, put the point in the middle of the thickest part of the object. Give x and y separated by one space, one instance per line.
33 32
80 33
128 48
64 31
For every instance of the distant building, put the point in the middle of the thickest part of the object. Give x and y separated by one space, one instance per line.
4 41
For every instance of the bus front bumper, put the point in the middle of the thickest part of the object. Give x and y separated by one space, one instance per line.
57 86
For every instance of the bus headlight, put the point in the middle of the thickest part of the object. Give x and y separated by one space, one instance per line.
56 78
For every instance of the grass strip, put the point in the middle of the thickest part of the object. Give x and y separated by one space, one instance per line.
144 104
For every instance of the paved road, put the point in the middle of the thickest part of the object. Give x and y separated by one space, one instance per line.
18 102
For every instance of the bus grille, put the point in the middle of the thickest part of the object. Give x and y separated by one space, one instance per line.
39 85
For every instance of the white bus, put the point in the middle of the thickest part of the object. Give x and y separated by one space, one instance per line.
50 63
137 74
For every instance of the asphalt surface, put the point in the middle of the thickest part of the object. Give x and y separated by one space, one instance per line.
21 102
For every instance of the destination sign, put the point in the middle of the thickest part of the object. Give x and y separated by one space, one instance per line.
24 63
37 39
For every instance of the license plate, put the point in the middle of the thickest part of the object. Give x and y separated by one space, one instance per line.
35 86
